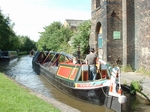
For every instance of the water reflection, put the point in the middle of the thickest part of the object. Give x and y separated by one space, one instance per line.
21 70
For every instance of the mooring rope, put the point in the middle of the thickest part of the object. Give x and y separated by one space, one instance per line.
105 93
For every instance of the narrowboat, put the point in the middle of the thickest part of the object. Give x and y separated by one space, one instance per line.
6 56
72 78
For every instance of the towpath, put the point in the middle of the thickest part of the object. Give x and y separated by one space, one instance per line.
128 77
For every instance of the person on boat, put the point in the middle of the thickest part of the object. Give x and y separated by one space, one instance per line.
91 61
32 52
41 57
57 61
74 60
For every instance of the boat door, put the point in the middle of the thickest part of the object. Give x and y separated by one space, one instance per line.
100 45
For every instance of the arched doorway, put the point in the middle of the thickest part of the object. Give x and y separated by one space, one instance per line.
99 38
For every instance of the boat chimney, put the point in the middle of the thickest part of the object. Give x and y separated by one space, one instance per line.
78 54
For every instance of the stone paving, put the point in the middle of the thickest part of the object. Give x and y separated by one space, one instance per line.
128 77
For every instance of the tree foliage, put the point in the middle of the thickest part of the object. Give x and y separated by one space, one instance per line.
7 36
26 44
81 38
58 38
9 40
54 37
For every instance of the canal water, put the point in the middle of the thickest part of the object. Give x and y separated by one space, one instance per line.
21 70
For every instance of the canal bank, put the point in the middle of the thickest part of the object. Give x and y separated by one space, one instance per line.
128 77
61 106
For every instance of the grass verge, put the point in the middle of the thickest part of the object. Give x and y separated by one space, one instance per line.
14 98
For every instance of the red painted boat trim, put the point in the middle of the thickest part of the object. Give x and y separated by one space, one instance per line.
87 85
73 73
67 72
64 71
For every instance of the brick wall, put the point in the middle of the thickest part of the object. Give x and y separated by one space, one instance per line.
142 36
132 19
99 21
109 16
130 33
114 23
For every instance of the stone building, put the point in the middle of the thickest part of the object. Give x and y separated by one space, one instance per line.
121 31
72 23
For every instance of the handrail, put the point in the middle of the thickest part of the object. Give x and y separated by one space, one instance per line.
56 59
39 57
51 60
46 57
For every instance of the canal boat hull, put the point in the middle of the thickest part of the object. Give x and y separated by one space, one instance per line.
6 56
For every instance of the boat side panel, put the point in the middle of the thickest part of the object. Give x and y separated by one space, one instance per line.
70 72
64 71
94 96
73 73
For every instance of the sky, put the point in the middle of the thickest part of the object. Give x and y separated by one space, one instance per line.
30 16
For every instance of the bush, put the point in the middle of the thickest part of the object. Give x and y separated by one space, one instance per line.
127 68
143 71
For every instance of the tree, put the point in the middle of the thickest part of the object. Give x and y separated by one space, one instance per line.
8 38
26 44
6 33
81 38
58 38
14 43
54 36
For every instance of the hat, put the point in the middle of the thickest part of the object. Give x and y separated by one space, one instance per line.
92 50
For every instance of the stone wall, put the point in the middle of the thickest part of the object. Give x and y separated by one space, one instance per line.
114 23
142 35
132 19
99 22
130 33
109 16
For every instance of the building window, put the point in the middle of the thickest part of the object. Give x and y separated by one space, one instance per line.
97 3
